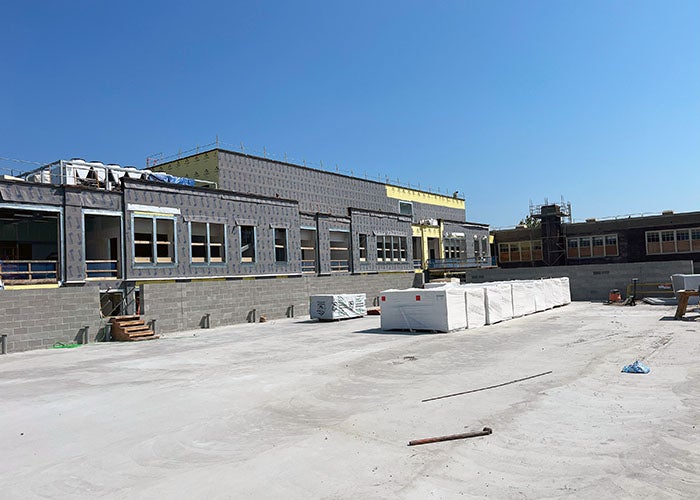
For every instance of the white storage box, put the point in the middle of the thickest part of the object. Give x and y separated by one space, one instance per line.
499 302
475 303
523 293
343 306
436 310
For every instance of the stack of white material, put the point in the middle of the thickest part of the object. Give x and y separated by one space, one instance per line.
343 306
523 293
446 306
499 302
475 303
437 309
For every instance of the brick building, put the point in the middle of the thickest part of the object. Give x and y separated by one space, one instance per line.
652 238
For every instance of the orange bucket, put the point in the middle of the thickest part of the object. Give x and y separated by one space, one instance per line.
615 296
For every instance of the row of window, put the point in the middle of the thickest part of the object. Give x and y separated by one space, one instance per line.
456 248
520 251
592 246
673 241
154 243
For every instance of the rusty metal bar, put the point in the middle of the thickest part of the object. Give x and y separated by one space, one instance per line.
485 432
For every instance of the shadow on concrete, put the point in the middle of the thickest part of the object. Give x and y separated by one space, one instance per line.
379 331
693 317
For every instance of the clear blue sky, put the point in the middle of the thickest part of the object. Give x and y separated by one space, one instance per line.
504 101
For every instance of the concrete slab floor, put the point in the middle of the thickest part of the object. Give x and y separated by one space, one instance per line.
300 409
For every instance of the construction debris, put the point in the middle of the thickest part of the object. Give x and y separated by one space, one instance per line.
451 437
636 367
489 387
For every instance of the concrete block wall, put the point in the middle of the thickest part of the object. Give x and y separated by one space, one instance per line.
183 306
38 318
591 281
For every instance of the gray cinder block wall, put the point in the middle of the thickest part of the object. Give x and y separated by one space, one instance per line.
590 281
38 318
183 306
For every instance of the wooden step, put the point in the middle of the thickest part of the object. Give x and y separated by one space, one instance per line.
131 328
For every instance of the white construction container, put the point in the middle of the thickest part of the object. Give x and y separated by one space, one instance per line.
330 307
523 298
499 302
475 303
436 310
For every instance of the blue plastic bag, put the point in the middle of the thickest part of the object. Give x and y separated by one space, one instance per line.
636 367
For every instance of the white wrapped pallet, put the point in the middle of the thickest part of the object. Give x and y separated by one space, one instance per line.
550 291
343 306
523 298
499 302
564 291
539 289
436 309
475 304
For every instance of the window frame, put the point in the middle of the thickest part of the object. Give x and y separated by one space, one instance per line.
153 259
593 243
208 244
284 247
254 242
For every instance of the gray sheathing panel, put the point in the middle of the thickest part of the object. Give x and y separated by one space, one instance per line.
422 211
326 224
374 224
222 208
470 231
317 191
24 192
76 200
74 254
94 199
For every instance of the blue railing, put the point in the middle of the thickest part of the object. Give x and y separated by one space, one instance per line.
340 265
101 269
18 271
458 263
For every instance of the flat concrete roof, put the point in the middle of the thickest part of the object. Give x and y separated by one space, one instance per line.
300 409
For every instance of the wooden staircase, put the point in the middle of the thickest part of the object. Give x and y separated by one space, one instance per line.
130 329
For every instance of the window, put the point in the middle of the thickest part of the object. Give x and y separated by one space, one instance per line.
340 251
405 208
673 241
392 249
280 244
598 247
207 242
247 237
519 251
362 245
308 250
154 240
592 246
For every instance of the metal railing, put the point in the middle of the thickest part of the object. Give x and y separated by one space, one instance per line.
458 263
417 263
105 269
308 266
18 272
338 266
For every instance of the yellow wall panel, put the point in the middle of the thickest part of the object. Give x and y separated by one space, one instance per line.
406 194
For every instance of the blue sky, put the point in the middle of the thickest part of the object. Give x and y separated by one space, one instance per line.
505 101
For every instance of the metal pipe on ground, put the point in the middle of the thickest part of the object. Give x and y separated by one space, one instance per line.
485 432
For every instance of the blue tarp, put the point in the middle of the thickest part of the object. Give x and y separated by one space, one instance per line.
172 179
636 367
